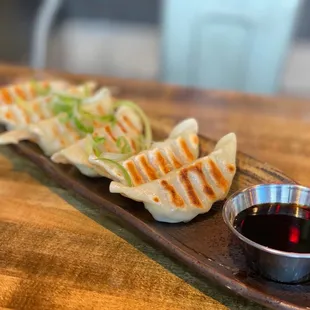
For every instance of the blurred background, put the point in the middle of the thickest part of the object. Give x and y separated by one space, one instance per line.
257 46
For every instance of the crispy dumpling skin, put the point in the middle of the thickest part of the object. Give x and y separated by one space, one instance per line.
21 115
191 190
78 153
26 91
182 147
54 134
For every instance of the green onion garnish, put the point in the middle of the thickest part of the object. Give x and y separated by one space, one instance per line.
63 117
123 145
59 107
95 144
82 127
120 167
146 123
109 118
64 103
98 140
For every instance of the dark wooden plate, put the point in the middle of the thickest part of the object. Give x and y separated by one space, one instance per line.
205 244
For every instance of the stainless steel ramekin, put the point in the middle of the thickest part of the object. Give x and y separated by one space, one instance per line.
286 267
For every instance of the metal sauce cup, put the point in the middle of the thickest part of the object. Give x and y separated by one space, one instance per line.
280 266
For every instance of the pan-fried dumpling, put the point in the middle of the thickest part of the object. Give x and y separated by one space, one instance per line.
28 91
191 190
23 113
77 155
179 149
112 136
59 132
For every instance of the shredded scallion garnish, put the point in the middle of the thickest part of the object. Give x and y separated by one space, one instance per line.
63 103
109 118
81 126
120 167
123 145
96 141
146 123
99 139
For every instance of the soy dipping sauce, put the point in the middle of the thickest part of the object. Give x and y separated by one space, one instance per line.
284 227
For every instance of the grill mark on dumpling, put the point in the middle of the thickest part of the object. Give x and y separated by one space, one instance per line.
62 141
231 168
217 175
156 199
175 163
133 145
70 126
39 110
60 135
120 125
100 109
47 99
36 108
6 96
132 169
186 150
183 174
195 139
20 93
109 132
107 148
175 197
26 89
129 123
68 133
96 124
46 85
10 116
147 167
26 116
23 115
161 161
56 131
75 136
207 188
72 130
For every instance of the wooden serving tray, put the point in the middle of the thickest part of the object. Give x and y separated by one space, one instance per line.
205 244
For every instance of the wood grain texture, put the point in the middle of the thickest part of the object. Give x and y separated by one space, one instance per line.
53 254
59 252
205 244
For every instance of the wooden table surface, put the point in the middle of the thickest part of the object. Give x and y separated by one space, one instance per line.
59 251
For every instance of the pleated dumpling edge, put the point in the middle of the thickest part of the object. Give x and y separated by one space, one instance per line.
191 190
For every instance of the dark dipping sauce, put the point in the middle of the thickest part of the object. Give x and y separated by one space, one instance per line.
280 226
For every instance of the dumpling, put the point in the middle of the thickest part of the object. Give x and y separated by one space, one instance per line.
191 190
28 91
78 153
23 113
59 132
180 148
